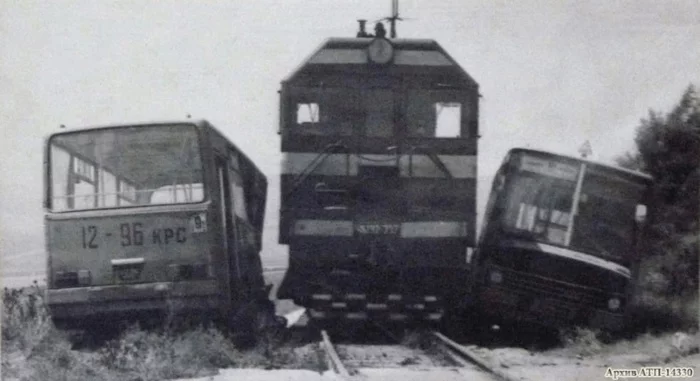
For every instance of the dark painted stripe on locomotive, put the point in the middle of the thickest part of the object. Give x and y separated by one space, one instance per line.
430 194
313 143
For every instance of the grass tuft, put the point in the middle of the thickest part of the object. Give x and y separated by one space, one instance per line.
583 341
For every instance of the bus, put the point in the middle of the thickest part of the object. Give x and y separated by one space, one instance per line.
378 183
156 219
559 244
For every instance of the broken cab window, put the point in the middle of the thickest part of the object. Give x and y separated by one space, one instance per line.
307 113
434 114
448 117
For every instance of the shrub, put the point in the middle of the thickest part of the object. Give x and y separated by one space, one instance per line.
25 319
32 349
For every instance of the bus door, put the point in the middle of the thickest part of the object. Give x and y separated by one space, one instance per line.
228 225
245 239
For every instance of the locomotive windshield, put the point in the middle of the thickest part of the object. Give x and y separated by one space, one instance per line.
379 112
542 198
125 166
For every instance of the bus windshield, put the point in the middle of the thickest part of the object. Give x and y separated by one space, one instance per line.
605 217
540 202
125 166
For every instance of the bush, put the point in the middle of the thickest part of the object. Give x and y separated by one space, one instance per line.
657 313
668 148
32 349
161 355
666 296
25 319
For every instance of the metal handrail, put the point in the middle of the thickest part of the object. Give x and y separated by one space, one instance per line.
318 160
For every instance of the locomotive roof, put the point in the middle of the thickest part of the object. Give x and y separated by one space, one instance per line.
638 174
408 52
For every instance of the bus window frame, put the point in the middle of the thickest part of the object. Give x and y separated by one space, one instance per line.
556 189
203 142
237 178
494 221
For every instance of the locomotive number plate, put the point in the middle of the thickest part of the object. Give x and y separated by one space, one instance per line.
378 229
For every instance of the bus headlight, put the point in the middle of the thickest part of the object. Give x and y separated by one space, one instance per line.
197 271
495 277
84 277
614 304
67 279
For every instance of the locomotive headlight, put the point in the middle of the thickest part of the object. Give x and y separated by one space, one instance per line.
495 277
380 51
614 304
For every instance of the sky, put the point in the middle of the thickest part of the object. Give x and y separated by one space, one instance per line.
553 74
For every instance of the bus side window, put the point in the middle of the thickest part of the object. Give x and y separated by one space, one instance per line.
238 195
108 189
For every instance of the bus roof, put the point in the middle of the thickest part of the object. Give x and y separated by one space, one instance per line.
197 122
424 53
641 175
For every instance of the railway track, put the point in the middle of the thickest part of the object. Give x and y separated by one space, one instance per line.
431 356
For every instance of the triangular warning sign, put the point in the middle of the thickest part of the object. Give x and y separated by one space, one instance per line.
585 149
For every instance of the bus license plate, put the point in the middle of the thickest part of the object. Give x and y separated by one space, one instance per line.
127 273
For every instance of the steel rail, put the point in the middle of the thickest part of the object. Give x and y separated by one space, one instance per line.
335 362
469 356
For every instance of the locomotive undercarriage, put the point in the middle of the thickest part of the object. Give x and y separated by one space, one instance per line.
374 279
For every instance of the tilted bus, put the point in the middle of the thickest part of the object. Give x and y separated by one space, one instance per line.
159 218
559 244
378 185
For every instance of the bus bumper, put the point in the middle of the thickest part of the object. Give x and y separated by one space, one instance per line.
546 312
133 299
607 320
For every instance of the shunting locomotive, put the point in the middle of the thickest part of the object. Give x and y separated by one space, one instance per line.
152 220
378 181
560 241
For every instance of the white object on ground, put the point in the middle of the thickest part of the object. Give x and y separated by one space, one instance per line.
294 316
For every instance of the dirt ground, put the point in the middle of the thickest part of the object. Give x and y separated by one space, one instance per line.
671 352
585 362
546 368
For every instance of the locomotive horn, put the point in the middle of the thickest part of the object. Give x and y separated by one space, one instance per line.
362 32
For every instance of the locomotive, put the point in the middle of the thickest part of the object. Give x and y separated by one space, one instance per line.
378 182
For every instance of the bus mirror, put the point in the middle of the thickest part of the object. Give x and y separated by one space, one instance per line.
640 214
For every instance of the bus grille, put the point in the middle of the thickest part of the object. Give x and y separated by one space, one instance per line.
567 295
